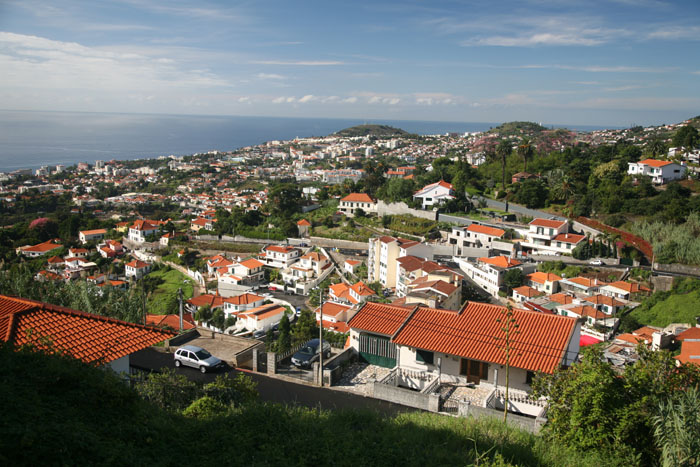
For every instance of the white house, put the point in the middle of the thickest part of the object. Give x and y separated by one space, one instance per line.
550 237
479 236
96 235
279 256
489 273
136 269
383 253
434 194
354 201
660 171
143 228
246 301
260 318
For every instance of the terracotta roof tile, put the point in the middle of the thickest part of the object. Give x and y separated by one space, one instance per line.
474 331
482 229
358 198
654 162
692 333
550 223
90 338
244 299
503 262
542 277
378 318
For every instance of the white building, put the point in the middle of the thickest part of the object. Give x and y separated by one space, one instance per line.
95 235
279 256
136 269
383 253
434 194
354 201
142 229
489 273
550 237
661 172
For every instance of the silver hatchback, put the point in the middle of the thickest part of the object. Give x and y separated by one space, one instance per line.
196 357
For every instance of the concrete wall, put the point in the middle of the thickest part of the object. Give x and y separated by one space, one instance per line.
678 269
578 227
662 283
402 208
182 338
245 357
120 365
526 423
333 243
429 402
517 378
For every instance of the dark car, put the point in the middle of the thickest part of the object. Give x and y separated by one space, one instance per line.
309 353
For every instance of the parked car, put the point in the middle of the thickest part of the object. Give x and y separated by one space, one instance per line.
309 353
258 334
596 262
197 357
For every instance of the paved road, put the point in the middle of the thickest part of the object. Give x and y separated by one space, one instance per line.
501 206
276 390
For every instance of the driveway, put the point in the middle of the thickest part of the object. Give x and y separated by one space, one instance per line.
275 390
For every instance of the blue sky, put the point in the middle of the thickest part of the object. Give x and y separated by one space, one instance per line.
578 62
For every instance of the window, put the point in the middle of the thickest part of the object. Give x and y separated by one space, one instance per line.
424 356
530 377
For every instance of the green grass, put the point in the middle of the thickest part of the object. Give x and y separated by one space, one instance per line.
162 299
57 409
671 308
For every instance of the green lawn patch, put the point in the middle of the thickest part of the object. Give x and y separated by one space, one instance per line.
670 308
163 300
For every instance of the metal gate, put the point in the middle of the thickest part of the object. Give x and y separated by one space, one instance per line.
377 350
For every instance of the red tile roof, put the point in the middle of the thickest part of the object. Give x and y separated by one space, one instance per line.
358 198
569 238
527 291
550 223
561 298
90 338
379 318
93 232
171 321
692 333
243 299
654 162
210 300
333 309
474 331
304 222
604 300
482 229
503 262
137 264
690 352
542 277
42 247
279 249
629 287
251 263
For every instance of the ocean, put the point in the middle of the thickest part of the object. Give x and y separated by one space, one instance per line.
30 139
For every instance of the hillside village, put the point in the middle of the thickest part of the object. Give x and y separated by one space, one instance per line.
407 251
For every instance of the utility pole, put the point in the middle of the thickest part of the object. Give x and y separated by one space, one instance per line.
320 338
179 297
509 328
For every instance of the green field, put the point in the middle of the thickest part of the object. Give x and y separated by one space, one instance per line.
672 308
163 300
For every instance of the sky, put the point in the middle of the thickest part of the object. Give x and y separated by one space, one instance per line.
616 63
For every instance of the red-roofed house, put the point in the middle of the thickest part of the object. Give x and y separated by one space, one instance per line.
385 250
624 290
351 265
434 194
354 201
110 249
549 237
91 338
40 249
260 318
660 171
95 235
143 228
354 294
474 236
242 302
279 256
211 300
136 269
543 281
303 226
489 273
690 346
171 321
306 273
335 316
525 293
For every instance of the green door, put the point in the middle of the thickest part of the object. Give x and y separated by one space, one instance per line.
377 350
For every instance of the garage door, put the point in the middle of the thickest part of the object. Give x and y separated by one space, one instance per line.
377 350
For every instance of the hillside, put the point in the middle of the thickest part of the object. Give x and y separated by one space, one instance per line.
381 131
518 128
679 305
59 410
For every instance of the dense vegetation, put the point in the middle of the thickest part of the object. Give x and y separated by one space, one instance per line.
679 305
371 130
59 409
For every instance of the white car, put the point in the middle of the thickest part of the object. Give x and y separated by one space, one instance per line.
196 357
596 262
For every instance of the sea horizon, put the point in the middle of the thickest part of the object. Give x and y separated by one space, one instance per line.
30 139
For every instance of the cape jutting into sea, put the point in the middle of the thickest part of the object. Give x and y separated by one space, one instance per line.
31 139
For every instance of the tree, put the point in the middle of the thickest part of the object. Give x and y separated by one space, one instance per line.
676 429
686 137
285 200
513 278
305 328
168 390
284 341
503 150
525 151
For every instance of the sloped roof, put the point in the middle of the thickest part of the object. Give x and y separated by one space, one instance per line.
561 298
333 308
171 321
42 247
585 282
542 277
550 223
379 318
304 222
690 353
251 263
655 162
527 291
136 264
279 249
629 287
93 232
604 300
482 229
503 262
243 299
427 188
210 300
88 337
358 198
569 238
692 333
474 333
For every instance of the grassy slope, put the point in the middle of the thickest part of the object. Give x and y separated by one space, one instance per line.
677 308
57 410
157 303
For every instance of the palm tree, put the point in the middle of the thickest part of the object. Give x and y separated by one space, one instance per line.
526 152
503 150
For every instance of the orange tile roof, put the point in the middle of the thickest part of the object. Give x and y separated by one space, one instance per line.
527 291
629 287
440 286
503 262
243 299
90 338
542 277
588 311
339 326
93 232
358 198
264 311
561 298
569 238
171 321
144 225
210 300
482 229
631 338
690 353
42 247
692 333
279 249
304 222
352 262
654 162
339 289
586 282
604 300
550 223
55 260
362 289
333 309
251 263
379 318
473 333
136 264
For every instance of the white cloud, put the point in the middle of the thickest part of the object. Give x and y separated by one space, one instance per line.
546 39
306 98
676 33
272 76
299 62
349 100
